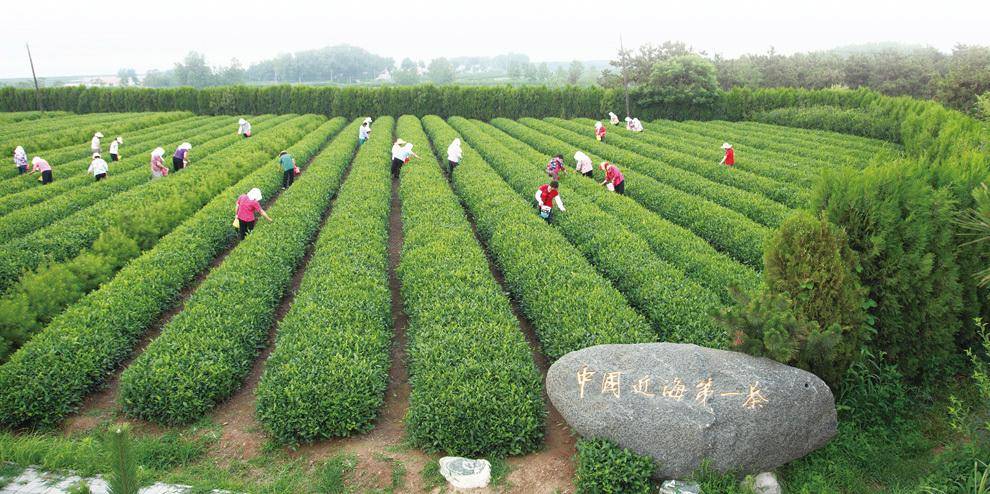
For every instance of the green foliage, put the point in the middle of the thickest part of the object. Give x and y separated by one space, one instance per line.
854 121
328 372
475 389
903 233
518 240
604 468
681 80
204 352
728 231
123 464
968 77
809 261
983 106
678 308
50 375
440 71
675 244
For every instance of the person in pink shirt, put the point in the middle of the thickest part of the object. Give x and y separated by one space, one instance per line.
600 132
158 168
40 165
247 205
613 178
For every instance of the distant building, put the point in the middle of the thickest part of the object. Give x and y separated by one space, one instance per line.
385 76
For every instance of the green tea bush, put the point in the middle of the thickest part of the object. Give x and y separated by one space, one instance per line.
188 191
903 232
679 308
541 268
760 198
205 351
604 468
727 230
328 372
475 388
675 244
49 376
845 120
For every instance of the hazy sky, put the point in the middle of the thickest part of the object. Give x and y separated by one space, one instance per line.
71 37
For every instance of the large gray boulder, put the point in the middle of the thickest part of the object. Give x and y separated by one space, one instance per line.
682 404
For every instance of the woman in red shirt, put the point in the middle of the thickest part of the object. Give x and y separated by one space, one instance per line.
600 132
247 205
730 156
613 178
546 197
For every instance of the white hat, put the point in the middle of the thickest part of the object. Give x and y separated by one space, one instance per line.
726 145
367 120
36 160
400 142
96 155
158 152
98 134
628 119
120 140
254 194
19 150
242 121
185 145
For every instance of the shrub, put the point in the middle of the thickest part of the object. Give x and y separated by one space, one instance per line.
845 120
328 372
205 351
903 232
604 468
475 389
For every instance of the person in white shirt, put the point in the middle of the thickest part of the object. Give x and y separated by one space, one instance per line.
98 167
401 152
583 164
635 125
94 145
243 128
612 117
364 132
454 154
115 148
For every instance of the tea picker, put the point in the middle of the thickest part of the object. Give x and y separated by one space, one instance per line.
730 155
546 197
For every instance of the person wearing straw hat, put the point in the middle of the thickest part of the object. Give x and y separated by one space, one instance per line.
180 159
20 160
289 169
600 132
247 205
454 154
42 166
98 167
548 195
94 145
401 153
115 148
365 131
614 180
583 164
158 168
243 128
613 118
730 155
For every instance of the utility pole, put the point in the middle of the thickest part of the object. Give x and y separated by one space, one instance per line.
625 79
37 91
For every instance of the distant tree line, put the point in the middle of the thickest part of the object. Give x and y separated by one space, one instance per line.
673 71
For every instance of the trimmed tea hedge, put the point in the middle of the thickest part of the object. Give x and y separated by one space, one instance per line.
569 303
204 352
726 230
722 187
74 193
328 372
48 378
181 192
475 389
679 309
675 244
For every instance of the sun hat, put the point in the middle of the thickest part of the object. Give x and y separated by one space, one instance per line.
96 155
254 194
158 152
367 120
98 134
726 145
242 121
400 142
36 160
120 140
185 145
